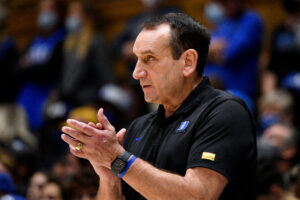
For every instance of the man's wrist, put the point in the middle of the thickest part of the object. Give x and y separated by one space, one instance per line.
130 162
120 163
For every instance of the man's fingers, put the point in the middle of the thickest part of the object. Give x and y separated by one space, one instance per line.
76 153
83 127
104 121
92 124
76 134
98 125
71 141
120 135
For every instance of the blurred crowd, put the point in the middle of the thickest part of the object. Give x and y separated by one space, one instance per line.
67 71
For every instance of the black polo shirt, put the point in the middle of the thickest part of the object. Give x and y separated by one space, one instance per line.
211 129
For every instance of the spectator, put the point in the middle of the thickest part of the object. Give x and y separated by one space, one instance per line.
53 190
66 167
41 63
285 140
14 132
235 48
269 182
7 188
285 42
84 186
8 62
87 65
285 52
274 107
37 182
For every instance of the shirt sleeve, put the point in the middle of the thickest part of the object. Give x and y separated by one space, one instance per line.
223 140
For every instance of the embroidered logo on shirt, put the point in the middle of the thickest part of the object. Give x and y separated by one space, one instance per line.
138 138
208 156
182 126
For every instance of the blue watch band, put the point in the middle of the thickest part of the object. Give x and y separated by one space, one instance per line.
131 160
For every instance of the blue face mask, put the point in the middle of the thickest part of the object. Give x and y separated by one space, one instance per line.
73 24
214 12
47 20
269 119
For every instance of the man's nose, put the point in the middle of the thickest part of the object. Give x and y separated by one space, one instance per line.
138 71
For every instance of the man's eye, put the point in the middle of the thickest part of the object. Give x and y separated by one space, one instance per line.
149 58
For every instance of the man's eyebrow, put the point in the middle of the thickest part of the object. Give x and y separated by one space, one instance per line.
147 51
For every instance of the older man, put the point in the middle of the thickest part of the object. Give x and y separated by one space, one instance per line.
199 144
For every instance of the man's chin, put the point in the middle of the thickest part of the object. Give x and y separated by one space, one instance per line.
149 99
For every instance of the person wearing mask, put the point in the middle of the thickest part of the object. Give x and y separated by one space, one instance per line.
235 49
87 65
285 42
285 52
41 63
214 12
280 143
278 153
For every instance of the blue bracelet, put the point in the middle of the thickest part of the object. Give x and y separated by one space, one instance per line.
131 160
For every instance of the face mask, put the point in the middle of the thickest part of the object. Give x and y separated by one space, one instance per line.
47 20
266 151
73 24
269 119
214 12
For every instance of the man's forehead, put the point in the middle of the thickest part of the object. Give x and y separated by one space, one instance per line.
159 35
160 29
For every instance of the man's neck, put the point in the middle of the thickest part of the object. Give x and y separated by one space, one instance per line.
172 107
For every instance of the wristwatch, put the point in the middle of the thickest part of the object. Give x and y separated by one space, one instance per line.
119 164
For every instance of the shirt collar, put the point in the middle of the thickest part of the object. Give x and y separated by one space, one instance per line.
193 99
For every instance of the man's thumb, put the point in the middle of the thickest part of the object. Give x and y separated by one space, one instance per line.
103 120
120 135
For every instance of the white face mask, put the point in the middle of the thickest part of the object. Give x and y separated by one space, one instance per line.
214 12
73 24
47 20
150 3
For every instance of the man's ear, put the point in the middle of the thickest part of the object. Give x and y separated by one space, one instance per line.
190 57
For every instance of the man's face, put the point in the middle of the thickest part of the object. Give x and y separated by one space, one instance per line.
277 135
160 76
